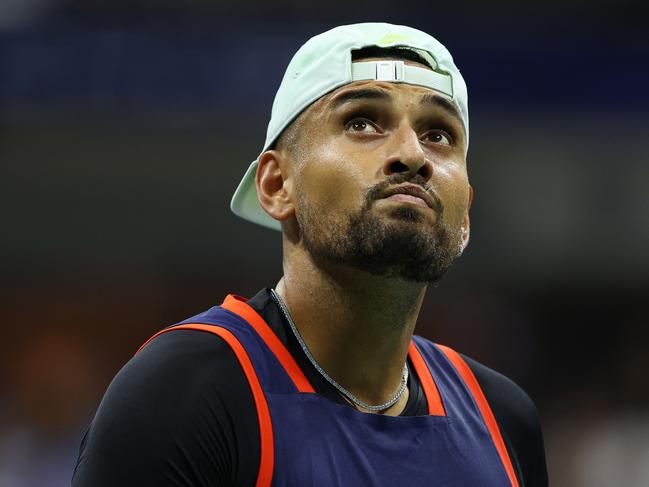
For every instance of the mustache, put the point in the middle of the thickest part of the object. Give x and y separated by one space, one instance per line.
379 190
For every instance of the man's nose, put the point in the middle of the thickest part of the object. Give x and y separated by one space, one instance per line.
406 154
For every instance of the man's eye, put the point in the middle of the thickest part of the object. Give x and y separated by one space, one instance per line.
439 137
360 125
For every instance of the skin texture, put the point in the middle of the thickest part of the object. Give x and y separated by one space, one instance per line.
356 264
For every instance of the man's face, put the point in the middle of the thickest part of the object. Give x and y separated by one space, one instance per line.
358 151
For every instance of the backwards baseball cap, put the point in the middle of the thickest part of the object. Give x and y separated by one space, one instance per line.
324 63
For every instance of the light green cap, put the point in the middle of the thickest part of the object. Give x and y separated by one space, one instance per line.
324 63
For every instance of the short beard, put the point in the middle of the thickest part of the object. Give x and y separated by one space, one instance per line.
402 247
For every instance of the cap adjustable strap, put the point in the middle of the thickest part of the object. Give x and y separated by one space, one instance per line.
399 72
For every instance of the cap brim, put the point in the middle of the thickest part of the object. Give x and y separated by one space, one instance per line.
246 204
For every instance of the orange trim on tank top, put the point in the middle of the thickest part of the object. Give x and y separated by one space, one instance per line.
237 305
435 406
267 446
487 414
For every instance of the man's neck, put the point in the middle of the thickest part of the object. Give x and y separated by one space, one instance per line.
357 326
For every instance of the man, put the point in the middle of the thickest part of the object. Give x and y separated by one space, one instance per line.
320 380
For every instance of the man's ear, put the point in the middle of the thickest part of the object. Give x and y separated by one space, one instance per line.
274 185
466 223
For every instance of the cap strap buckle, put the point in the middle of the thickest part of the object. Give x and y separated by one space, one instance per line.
389 70
399 72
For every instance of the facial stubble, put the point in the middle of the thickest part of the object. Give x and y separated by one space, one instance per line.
400 244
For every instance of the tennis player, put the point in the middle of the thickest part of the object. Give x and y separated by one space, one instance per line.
320 380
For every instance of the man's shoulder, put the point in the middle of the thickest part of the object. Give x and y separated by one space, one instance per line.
173 371
517 418
175 346
496 386
184 393
503 392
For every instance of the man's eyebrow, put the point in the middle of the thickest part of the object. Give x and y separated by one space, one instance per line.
429 99
359 94
449 107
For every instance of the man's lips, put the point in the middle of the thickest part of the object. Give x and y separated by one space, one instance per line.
412 193
409 198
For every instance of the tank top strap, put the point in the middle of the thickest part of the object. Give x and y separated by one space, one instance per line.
275 368
462 395
267 444
237 306
266 364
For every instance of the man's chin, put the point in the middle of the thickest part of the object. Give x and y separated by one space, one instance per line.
408 214
400 241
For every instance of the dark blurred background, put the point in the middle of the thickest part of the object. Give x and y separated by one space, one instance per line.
125 127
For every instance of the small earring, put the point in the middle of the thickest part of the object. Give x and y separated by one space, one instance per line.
460 244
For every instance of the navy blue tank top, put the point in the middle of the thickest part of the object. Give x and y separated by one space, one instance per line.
306 439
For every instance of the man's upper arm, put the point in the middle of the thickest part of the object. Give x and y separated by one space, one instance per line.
519 423
178 413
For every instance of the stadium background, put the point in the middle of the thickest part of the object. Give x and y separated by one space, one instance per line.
126 125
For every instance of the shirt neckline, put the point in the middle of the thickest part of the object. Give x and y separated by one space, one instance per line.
264 305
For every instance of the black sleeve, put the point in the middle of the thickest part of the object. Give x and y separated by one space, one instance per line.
179 413
519 424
